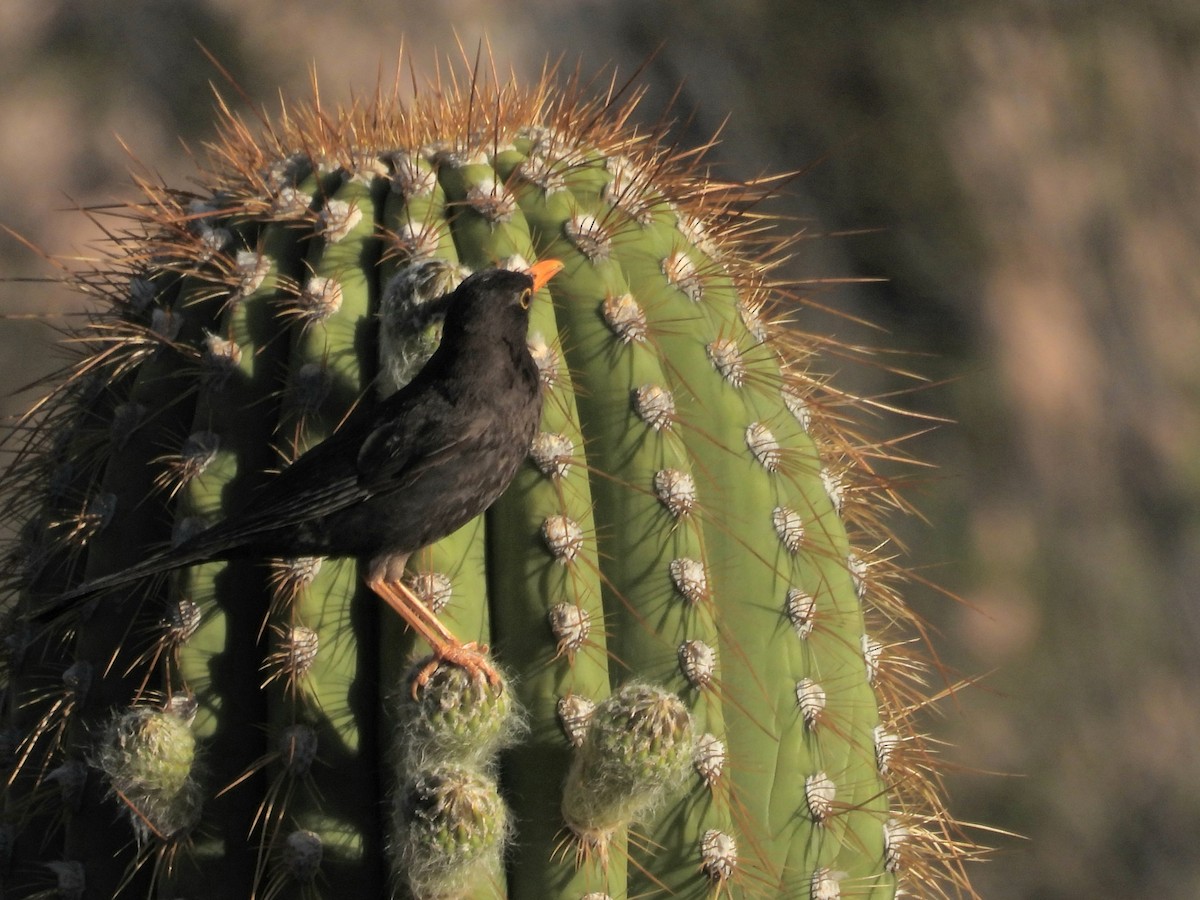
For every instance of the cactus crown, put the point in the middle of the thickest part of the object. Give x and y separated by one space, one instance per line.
689 581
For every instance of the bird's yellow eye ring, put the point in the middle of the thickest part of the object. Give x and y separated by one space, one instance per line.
526 298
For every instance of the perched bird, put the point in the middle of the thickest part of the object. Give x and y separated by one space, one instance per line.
422 463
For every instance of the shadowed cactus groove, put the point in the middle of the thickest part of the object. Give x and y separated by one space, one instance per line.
709 688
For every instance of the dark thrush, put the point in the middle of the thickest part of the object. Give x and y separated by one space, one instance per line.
422 463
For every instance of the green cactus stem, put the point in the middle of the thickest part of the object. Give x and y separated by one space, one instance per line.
709 687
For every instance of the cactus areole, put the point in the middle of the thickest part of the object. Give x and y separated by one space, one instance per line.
704 685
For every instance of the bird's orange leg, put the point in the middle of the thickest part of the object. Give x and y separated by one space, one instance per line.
423 620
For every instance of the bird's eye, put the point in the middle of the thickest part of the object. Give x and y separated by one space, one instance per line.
526 298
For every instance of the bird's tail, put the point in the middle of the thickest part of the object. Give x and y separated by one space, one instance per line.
156 564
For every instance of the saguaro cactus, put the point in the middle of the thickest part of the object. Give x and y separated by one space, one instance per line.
707 688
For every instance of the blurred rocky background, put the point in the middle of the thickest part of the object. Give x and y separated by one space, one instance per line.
1025 175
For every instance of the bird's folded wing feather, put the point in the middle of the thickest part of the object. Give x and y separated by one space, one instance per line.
399 451
345 469
332 476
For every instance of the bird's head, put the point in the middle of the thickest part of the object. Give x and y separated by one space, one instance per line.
497 301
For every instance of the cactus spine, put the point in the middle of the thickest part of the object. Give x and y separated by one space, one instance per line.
681 584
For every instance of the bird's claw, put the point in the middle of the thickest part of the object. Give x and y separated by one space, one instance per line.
470 656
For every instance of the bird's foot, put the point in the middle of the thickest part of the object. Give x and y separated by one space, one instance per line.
470 656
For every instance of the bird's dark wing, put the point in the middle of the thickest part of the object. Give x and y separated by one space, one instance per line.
319 483
396 452
386 451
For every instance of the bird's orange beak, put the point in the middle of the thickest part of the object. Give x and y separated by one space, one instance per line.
542 271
